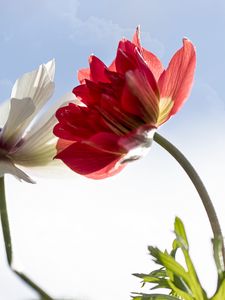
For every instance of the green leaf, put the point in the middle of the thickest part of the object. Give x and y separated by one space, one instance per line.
220 294
154 297
182 242
158 277
182 294
180 232
179 282
169 263
182 281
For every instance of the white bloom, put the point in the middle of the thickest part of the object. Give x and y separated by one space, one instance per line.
26 137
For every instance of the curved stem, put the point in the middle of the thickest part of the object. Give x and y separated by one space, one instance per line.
196 180
8 244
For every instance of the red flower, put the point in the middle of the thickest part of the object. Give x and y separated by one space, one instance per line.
123 105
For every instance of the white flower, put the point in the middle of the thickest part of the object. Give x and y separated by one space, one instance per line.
26 138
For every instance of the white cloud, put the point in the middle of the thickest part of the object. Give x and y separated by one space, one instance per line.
99 30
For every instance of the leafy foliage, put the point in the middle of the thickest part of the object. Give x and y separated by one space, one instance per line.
181 281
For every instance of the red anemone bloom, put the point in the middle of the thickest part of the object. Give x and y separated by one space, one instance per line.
123 105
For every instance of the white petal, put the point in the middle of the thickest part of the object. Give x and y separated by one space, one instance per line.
39 122
4 112
53 170
37 85
28 84
6 166
20 111
50 67
39 149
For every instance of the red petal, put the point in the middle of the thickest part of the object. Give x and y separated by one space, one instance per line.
148 100
137 37
88 93
77 123
108 171
126 57
112 67
146 71
63 144
129 58
67 132
177 80
153 63
130 103
82 92
91 159
60 130
151 60
108 142
97 69
83 74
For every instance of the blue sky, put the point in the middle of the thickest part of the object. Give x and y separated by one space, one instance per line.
69 234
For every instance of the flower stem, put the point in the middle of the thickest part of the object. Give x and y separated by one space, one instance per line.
196 180
8 244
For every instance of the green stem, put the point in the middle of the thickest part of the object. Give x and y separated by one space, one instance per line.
196 180
8 244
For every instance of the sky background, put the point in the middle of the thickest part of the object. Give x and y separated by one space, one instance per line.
82 239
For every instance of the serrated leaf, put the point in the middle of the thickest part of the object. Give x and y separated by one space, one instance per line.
157 277
184 295
148 278
159 273
181 280
182 242
169 263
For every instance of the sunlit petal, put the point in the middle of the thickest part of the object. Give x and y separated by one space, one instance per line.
20 111
4 112
36 85
152 60
50 67
176 81
26 139
39 121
